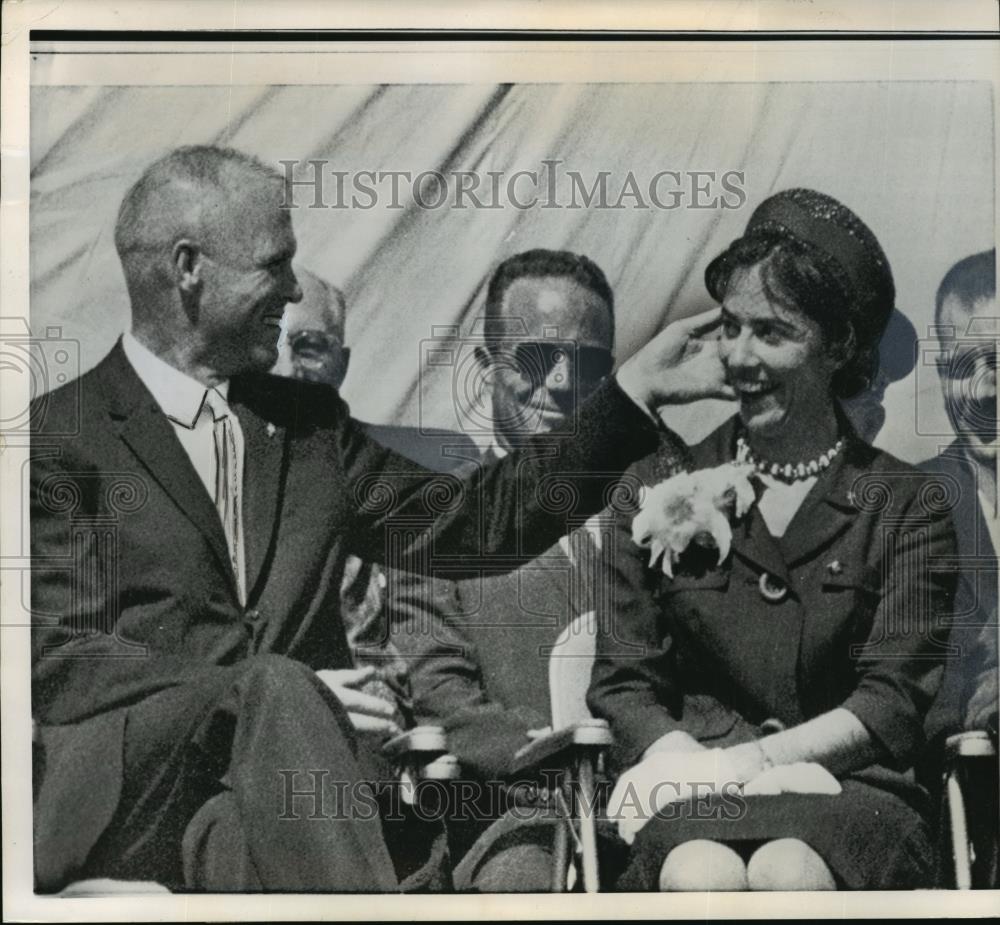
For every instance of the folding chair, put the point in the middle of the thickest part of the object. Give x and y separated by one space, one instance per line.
576 744
970 774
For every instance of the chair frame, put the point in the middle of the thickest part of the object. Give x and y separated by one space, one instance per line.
964 752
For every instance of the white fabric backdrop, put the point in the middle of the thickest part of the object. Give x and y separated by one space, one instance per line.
914 159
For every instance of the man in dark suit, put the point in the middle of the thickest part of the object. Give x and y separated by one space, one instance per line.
477 648
966 321
190 520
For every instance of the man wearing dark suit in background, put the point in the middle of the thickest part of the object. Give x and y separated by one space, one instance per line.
967 328
190 520
473 646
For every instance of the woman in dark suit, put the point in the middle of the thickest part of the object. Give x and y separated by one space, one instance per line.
784 687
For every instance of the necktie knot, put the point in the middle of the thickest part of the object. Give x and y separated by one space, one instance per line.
215 404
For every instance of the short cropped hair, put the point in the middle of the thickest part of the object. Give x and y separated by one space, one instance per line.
538 264
971 280
191 171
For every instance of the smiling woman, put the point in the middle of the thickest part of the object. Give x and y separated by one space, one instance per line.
786 668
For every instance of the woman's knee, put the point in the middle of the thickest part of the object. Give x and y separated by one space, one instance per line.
788 864
703 865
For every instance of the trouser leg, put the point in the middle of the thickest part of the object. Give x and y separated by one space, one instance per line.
258 732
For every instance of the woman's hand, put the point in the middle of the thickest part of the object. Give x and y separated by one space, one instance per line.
801 777
667 777
680 364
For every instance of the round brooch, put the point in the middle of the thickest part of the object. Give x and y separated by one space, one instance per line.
772 589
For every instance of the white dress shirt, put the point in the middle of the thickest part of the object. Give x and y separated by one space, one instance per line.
182 400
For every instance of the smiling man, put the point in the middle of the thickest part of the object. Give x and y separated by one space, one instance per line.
477 648
191 516
967 326
549 334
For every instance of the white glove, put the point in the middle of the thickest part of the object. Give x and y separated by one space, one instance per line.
800 777
664 778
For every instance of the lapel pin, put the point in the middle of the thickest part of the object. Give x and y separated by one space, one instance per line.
271 429
835 568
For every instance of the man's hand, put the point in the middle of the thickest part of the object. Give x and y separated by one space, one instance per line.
539 733
680 364
367 713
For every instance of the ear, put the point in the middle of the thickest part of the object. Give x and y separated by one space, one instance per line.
186 260
843 351
483 356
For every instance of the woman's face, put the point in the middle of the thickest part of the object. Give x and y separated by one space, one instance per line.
775 358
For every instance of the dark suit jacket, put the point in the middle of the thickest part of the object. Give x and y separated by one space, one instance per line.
433 448
364 588
478 649
972 665
477 653
132 590
862 626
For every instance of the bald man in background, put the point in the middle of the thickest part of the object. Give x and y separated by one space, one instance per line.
313 348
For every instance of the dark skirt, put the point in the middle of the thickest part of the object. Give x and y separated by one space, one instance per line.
869 838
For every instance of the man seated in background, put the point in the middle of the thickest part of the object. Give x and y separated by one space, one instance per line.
313 347
476 648
967 329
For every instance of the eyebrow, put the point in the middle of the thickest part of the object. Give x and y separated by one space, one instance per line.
274 257
774 321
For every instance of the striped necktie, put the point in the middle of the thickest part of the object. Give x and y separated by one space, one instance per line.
228 451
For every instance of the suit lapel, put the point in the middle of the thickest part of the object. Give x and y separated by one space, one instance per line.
147 432
972 531
829 508
753 542
824 514
266 451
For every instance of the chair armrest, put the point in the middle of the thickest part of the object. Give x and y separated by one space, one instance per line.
977 744
445 767
593 733
423 740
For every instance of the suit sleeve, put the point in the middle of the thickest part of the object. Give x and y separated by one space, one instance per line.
981 692
513 509
898 668
630 685
446 681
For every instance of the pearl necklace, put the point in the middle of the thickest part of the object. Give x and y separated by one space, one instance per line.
787 472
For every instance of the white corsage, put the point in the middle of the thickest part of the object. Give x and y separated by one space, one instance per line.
693 507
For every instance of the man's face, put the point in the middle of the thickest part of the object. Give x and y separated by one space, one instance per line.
968 371
246 279
312 346
563 354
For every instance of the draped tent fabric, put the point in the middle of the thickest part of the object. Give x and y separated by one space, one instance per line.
914 159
